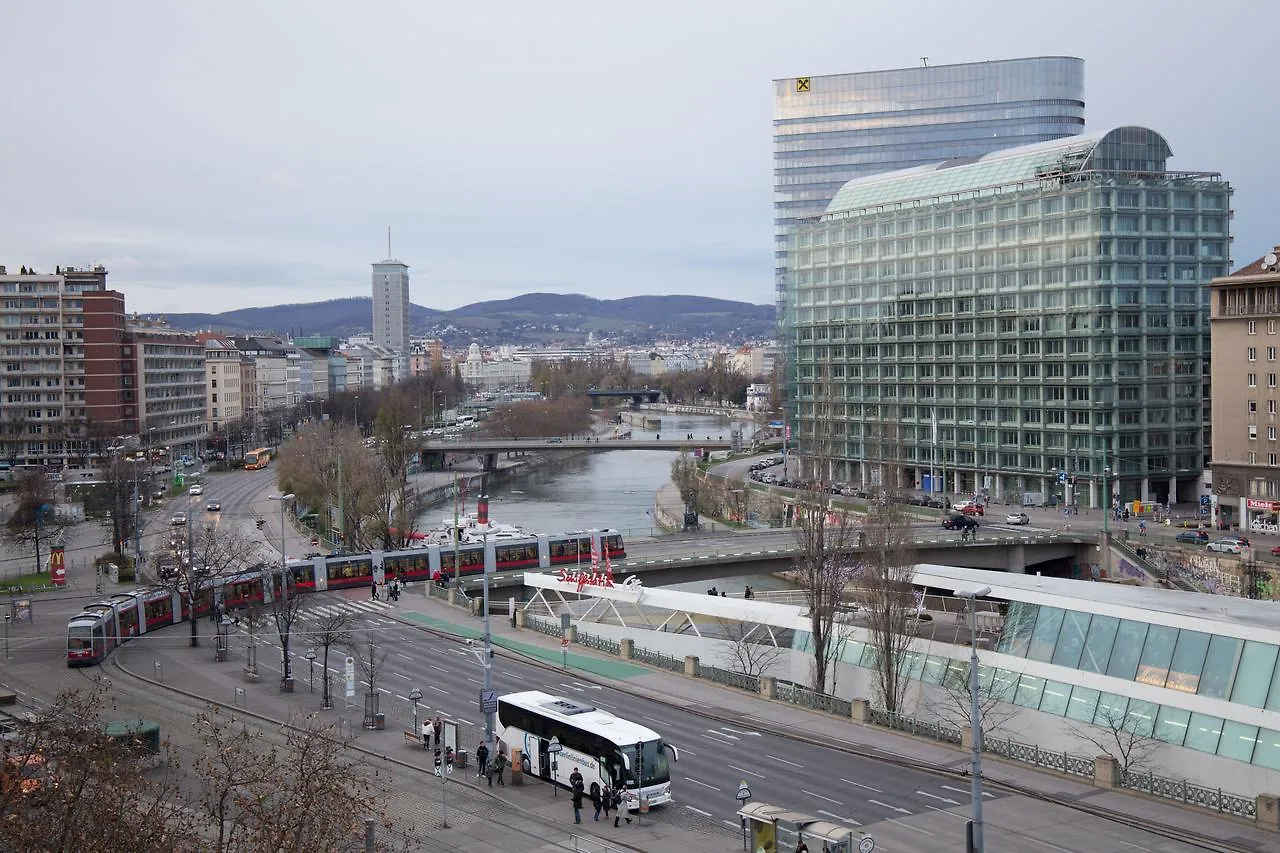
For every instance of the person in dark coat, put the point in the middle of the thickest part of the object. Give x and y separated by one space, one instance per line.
606 800
597 801
482 759
498 764
577 797
374 588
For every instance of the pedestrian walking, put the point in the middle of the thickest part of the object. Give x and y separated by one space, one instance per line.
426 734
597 800
617 806
482 759
802 847
606 800
576 782
375 590
499 764
437 728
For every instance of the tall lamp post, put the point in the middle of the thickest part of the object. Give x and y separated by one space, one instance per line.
553 749
284 576
490 567
311 664
415 695
974 841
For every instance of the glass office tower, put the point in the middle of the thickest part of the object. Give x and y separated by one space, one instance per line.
831 129
1013 324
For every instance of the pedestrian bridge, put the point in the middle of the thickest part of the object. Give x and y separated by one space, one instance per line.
514 445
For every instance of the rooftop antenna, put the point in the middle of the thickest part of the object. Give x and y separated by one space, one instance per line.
389 241
925 60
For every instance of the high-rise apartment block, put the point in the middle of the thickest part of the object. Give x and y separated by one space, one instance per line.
1244 322
1013 323
831 129
171 372
391 312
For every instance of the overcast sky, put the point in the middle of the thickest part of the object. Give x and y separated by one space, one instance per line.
225 155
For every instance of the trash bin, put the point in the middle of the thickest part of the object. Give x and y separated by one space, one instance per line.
379 721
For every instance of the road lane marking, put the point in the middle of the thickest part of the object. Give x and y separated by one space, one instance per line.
916 828
405 657
438 668
820 797
699 811
936 797
401 675
736 732
703 784
744 770
1047 844
860 785
727 822
653 719
719 733
897 809
839 818
436 689
784 761
962 791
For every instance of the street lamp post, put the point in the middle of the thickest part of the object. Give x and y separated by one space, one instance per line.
974 842
553 749
744 794
7 618
284 579
490 567
415 695
311 664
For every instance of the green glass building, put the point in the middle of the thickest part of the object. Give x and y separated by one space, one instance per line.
1014 324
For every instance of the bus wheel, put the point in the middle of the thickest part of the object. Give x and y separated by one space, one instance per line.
526 766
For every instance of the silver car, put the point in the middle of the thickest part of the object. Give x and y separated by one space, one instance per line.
1017 518
1225 546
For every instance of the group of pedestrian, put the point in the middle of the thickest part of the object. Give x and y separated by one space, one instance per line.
486 769
432 728
390 589
604 799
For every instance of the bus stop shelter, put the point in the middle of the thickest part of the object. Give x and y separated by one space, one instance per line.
775 829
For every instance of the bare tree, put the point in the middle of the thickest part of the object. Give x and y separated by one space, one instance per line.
686 477
370 660
1128 739
285 606
85 789
825 566
203 556
264 797
254 620
753 652
330 628
33 520
737 498
995 698
328 466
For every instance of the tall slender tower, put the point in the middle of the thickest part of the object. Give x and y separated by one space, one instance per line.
391 309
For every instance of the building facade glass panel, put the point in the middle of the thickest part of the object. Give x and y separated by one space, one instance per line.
1267 752
1045 635
1141 717
1204 732
1030 689
1171 725
1055 697
1187 662
1238 741
1253 678
1127 650
1219 667
1075 627
1018 625
1097 647
1112 711
1083 704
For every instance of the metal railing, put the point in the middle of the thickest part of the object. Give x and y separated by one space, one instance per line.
729 678
795 694
1025 753
550 627
657 659
604 644
936 729
1213 799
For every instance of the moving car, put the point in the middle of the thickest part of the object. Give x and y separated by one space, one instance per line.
1017 518
1275 552
959 522
1225 546
971 509
213 506
179 518
197 489
1198 537
1242 541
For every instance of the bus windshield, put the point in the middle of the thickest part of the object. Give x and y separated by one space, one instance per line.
655 768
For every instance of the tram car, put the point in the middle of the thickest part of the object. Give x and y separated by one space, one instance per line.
103 625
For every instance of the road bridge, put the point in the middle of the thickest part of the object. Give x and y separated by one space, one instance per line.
671 560
489 448
635 395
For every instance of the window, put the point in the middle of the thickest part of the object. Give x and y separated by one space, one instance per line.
1188 661
1252 353
1238 741
1253 327
1021 620
1112 711
1252 379
1071 640
1127 649
1219 666
1083 704
1267 752
1203 733
1253 678
1030 688
1054 698
1045 635
1097 647
1171 725
1157 652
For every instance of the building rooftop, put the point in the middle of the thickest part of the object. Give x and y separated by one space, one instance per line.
1265 265
1121 149
1230 616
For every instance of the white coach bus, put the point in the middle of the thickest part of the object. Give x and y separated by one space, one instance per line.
606 749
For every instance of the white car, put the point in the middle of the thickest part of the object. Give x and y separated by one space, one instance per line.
1226 546
197 489
1017 518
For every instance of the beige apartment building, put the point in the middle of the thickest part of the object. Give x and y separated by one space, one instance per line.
222 389
1244 323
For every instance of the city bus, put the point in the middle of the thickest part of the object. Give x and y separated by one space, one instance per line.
256 459
629 757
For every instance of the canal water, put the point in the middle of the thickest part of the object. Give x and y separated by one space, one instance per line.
603 490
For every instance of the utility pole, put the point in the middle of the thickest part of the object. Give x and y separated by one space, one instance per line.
342 517
490 566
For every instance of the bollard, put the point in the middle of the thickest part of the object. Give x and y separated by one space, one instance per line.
626 648
158 672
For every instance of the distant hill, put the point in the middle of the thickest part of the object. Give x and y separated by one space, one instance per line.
532 318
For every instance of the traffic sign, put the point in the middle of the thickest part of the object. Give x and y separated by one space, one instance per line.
350 677
488 701
867 844
1062 478
564 642
1204 500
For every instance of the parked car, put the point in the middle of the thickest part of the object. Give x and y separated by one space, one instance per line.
1198 537
1017 518
1275 552
1225 546
959 522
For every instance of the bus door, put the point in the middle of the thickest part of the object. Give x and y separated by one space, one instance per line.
544 758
